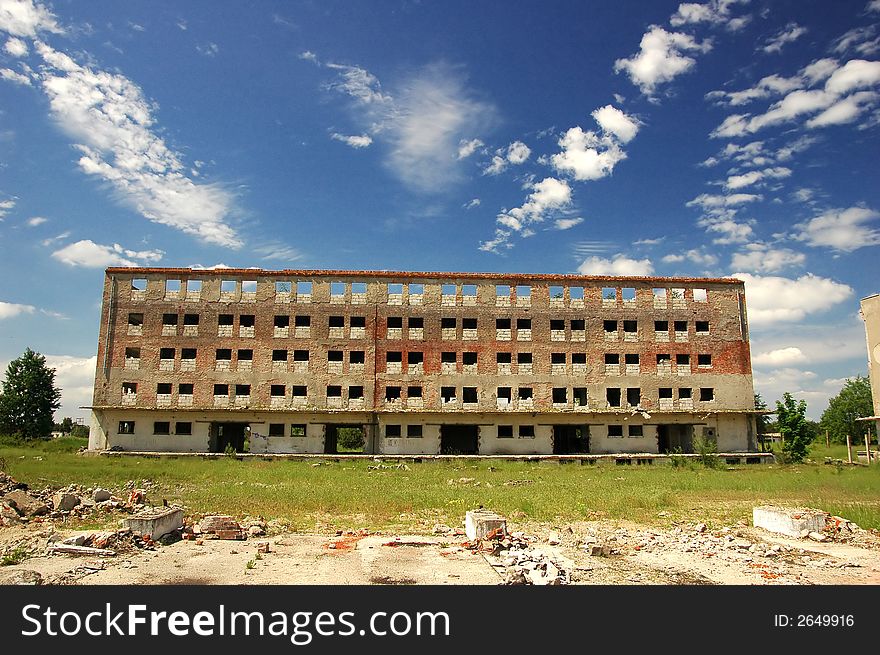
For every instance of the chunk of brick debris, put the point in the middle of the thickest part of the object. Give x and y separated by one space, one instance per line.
26 504
224 527
553 539
64 502
262 546
100 495
137 497
256 531
817 536
440 528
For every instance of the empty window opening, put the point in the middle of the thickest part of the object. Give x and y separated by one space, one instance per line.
303 288
282 287
612 359
221 389
190 319
631 326
504 394
448 290
681 326
227 287
700 295
633 396
469 394
359 288
707 394
395 322
447 394
524 358
169 319
579 358
139 284
224 319
502 358
161 427
664 359
704 360
358 321
580 396
136 319
661 326
469 323
356 357
224 354
242 390
502 323
163 388
249 287
576 293
416 289
334 356
665 393
628 294
527 432
636 431
334 391
684 392
393 356
615 430
337 288
302 321
193 287
578 325
246 320
523 291
355 392
298 430
126 427
185 389
683 359
392 393
523 324
557 325
414 431
183 428
300 355
395 289
447 323
560 395
702 327
525 393
276 391
132 353
172 287
448 357
247 355
469 358
659 294
414 392
609 326
415 322
609 294
276 429
336 321
556 293
299 391
631 358
469 290
612 395
392 431
557 358
505 432
415 357
502 291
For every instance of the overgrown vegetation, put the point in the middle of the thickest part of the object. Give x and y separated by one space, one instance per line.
853 402
29 397
16 555
348 494
791 416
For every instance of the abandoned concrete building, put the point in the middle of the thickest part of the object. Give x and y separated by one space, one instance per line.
420 363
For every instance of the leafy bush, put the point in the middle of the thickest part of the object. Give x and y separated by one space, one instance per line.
707 449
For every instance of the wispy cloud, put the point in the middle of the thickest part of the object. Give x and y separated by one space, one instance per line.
11 309
113 125
567 223
788 34
354 141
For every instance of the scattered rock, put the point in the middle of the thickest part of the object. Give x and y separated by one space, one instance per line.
20 577
25 504
817 536
64 502
100 495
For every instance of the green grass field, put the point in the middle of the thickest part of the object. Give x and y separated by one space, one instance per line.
348 495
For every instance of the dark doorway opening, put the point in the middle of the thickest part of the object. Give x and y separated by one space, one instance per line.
459 440
674 438
571 439
344 439
224 435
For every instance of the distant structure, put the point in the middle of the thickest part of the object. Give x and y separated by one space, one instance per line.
870 312
420 363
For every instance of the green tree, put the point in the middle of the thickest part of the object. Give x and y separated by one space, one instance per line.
853 401
792 419
66 425
29 397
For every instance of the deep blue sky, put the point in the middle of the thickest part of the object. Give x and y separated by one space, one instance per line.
720 138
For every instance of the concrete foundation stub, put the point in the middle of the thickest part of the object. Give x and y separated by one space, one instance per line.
791 522
479 523
155 523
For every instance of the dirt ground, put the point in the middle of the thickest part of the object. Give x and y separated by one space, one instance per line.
599 552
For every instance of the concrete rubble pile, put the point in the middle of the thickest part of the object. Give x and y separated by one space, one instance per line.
19 504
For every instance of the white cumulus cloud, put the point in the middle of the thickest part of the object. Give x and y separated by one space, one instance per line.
617 265
840 229
27 18
88 254
761 258
774 299
661 58
780 357
11 309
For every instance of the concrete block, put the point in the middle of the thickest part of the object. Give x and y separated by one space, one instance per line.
155 523
788 521
479 523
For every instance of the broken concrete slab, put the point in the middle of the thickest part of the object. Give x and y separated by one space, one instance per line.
478 524
155 523
26 504
788 521
80 550
64 502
